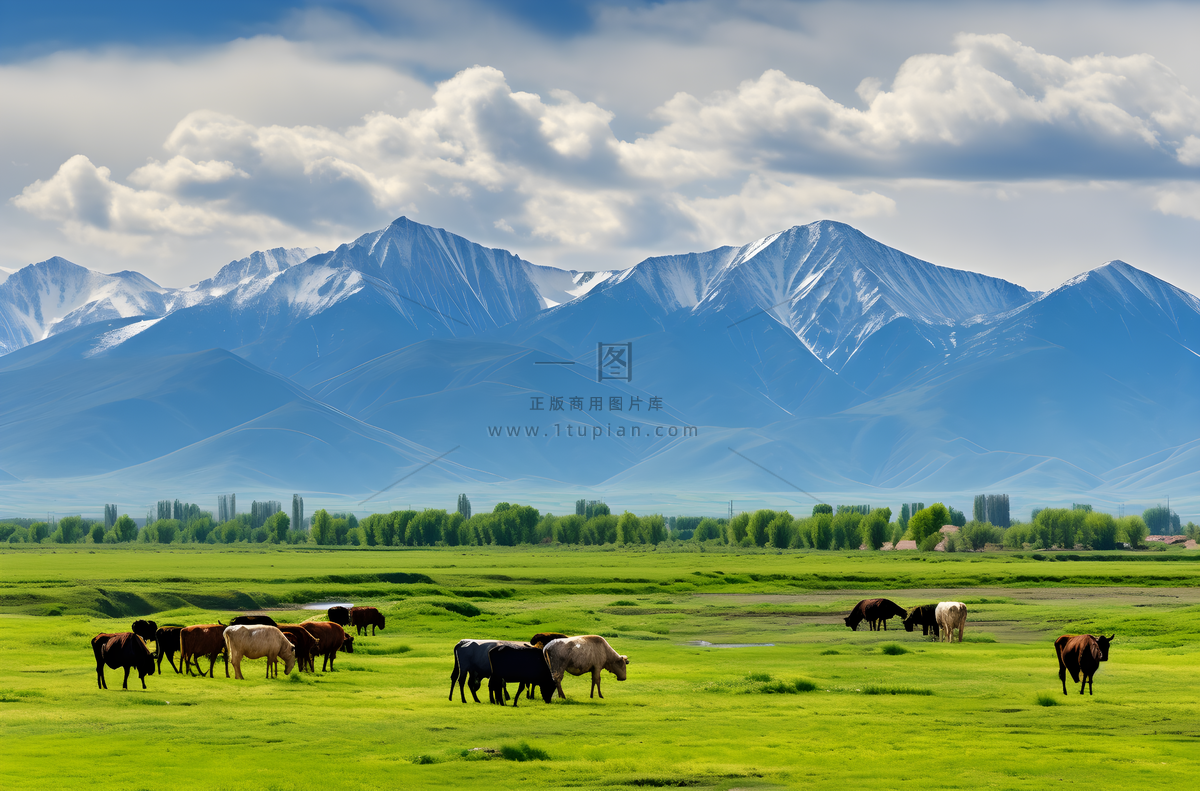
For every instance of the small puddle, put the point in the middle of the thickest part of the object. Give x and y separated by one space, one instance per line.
325 605
706 644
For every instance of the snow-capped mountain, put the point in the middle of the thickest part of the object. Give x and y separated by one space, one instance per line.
833 362
381 292
252 273
54 295
833 286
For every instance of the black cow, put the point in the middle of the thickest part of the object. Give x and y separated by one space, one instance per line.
1081 655
253 620
147 630
874 612
523 664
924 616
362 617
125 650
340 616
166 643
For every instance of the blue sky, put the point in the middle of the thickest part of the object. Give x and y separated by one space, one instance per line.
1030 141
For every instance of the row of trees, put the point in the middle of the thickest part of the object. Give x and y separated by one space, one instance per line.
508 524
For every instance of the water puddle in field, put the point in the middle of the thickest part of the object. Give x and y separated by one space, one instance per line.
706 644
325 605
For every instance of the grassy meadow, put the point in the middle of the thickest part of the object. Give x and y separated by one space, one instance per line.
820 707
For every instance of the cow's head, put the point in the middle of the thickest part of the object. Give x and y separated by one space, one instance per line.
547 692
145 629
382 621
617 666
289 659
851 622
348 644
145 660
1104 642
910 619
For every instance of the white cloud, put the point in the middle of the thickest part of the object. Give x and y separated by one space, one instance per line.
995 106
97 210
550 170
1180 200
767 204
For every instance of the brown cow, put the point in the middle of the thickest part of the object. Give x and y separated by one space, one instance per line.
362 617
875 612
125 650
166 643
306 645
331 638
1081 655
202 640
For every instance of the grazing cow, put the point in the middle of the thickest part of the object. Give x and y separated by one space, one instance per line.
1081 655
202 640
331 638
253 620
875 612
362 617
166 643
147 630
523 664
924 616
339 615
539 640
125 650
579 655
951 615
472 665
305 643
255 642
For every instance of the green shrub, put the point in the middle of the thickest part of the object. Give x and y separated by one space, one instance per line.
893 649
830 652
523 752
623 603
462 608
1046 700
424 759
758 677
877 690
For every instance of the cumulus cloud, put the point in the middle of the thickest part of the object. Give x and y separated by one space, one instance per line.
95 209
993 108
771 153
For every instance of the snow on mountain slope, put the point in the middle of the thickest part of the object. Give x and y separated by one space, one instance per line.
54 295
383 291
830 284
250 274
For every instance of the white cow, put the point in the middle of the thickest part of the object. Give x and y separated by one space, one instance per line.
255 642
579 655
951 615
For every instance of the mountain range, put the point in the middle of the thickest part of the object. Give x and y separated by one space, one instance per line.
815 363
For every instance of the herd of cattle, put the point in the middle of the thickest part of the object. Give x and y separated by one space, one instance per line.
539 664
245 637
1078 654
943 618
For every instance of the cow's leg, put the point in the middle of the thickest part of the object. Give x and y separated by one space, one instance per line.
1062 674
558 686
125 683
596 683
142 678
100 682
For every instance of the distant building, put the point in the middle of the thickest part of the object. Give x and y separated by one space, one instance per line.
297 512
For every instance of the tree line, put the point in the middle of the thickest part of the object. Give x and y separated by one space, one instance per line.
846 527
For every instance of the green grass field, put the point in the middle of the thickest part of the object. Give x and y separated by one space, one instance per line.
821 707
